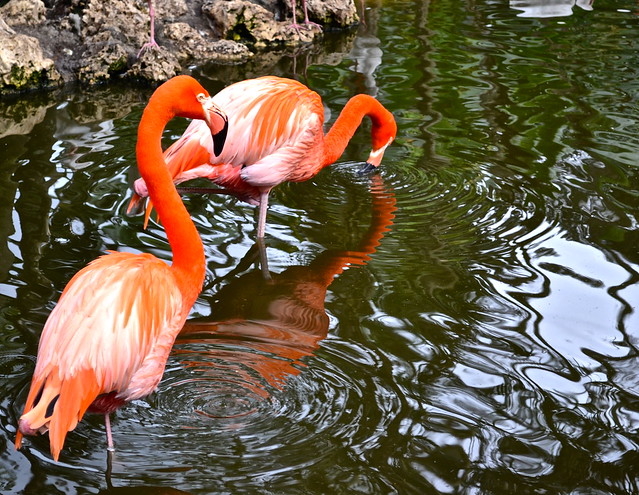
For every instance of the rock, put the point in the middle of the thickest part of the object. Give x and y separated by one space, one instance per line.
193 45
114 33
109 61
334 13
156 64
243 20
51 41
120 19
23 12
170 10
22 62
275 6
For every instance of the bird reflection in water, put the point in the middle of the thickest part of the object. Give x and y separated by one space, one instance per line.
280 320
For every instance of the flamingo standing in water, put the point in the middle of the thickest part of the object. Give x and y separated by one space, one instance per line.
275 134
107 340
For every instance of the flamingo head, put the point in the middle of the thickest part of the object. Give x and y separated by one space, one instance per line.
383 133
185 97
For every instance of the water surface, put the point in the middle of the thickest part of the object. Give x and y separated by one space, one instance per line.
463 322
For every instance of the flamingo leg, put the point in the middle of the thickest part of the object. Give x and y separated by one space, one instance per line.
109 469
152 43
261 219
107 425
294 24
307 22
263 260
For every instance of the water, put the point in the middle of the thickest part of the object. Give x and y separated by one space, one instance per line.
483 337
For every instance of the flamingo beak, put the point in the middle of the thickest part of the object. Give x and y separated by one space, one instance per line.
217 121
368 168
374 160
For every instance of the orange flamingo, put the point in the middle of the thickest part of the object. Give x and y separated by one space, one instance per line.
275 134
107 340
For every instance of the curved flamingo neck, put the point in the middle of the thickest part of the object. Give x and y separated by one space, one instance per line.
349 119
186 245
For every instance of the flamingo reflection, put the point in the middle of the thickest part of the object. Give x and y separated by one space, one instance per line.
281 320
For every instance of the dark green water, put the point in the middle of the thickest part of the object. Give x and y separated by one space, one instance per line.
487 345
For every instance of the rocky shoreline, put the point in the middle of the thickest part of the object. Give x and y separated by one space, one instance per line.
45 44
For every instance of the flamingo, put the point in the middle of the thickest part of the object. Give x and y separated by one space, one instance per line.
107 340
275 134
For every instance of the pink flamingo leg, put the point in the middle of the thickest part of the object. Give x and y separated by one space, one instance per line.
261 219
152 43
307 23
107 424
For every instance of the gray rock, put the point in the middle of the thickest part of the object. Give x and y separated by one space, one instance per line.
155 65
193 45
170 10
23 12
247 21
99 40
333 13
22 62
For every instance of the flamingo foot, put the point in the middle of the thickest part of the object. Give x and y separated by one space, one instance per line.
312 25
307 25
151 45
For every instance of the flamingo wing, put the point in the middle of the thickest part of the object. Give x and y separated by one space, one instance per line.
266 114
111 332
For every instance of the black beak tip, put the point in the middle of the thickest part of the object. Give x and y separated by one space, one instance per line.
367 169
220 138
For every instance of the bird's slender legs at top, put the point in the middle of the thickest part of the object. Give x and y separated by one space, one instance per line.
307 23
151 43
107 425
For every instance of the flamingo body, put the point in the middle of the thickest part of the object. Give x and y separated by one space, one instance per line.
111 331
107 340
275 134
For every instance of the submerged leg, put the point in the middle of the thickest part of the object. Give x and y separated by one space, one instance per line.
109 469
263 259
107 424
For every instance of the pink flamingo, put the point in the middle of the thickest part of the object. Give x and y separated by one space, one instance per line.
107 340
275 134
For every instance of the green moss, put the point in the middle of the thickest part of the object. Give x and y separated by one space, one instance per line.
20 78
118 66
